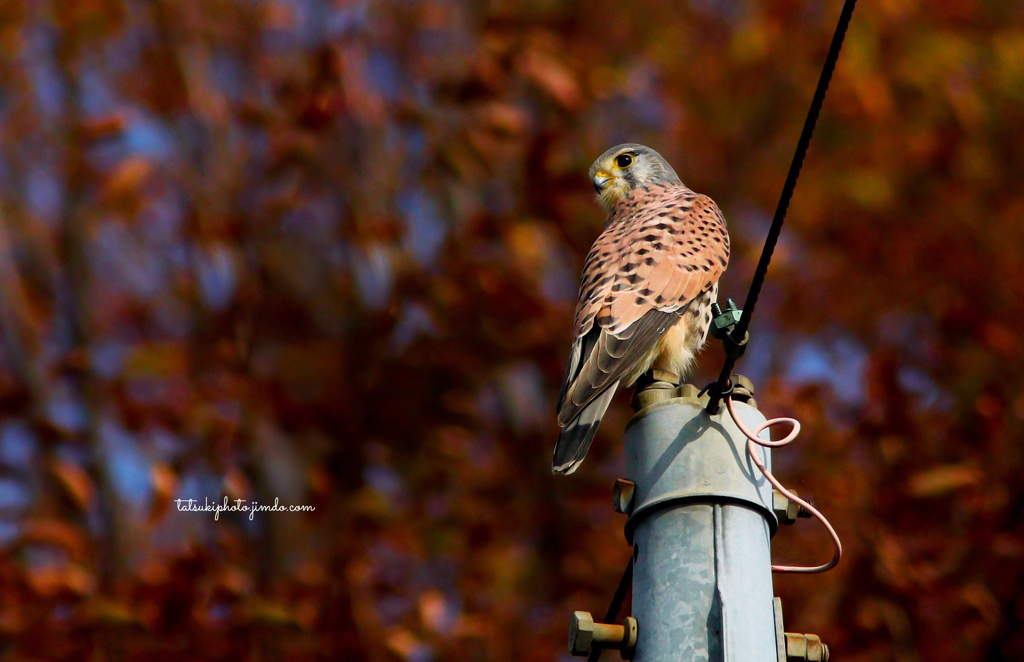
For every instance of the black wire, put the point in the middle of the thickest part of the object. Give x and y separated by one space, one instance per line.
613 609
739 332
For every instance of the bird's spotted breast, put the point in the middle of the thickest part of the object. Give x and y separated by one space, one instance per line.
662 246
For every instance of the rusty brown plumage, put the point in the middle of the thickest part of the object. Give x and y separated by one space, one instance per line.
661 247
644 301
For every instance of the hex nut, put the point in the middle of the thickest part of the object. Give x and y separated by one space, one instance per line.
743 391
742 382
786 510
688 391
665 376
581 633
622 495
792 508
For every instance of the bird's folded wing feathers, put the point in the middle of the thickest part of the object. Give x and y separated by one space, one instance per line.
600 369
662 246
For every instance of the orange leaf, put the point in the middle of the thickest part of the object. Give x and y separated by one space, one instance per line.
57 533
157 359
165 482
553 77
75 481
129 175
940 480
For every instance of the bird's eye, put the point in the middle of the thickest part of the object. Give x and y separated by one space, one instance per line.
624 160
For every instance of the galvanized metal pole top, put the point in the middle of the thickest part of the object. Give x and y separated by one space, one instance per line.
676 451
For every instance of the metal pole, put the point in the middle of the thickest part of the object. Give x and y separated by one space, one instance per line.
700 521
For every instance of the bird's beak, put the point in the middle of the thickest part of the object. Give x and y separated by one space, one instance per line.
601 179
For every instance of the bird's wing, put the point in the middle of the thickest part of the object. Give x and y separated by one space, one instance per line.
662 246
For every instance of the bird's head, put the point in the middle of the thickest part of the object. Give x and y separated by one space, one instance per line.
627 167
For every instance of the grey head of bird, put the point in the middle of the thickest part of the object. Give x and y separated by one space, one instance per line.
627 167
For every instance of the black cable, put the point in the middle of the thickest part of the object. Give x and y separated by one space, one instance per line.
613 609
738 334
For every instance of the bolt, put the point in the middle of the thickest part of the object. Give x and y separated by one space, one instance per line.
805 647
622 495
585 635
786 510
730 305
716 310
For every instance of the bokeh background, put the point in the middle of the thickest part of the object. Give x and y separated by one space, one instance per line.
327 252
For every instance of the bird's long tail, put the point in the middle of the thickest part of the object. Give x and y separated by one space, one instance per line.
574 440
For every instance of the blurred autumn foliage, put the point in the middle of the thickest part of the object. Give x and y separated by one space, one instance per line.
327 252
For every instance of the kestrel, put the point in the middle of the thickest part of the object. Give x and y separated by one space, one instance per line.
646 291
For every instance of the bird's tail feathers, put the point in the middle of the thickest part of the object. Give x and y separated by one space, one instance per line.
575 438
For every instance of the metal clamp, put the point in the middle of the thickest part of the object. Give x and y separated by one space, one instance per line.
722 324
585 635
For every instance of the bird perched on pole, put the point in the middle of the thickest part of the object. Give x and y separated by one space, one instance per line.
646 291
